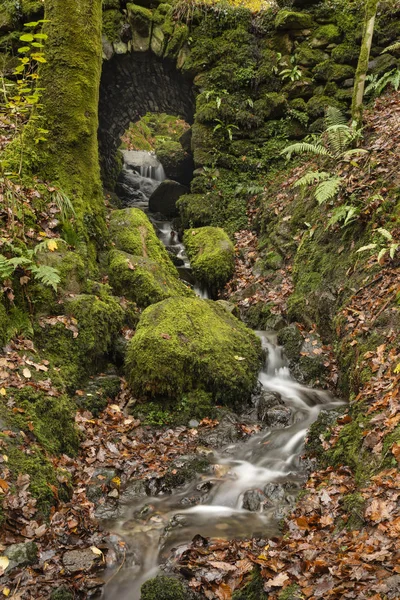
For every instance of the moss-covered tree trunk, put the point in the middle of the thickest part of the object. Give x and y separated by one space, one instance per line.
371 8
70 81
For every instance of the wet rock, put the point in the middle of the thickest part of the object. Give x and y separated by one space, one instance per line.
291 339
135 490
75 561
266 402
164 588
97 392
278 417
99 482
21 555
225 433
180 472
275 492
306 360
254 500
165 197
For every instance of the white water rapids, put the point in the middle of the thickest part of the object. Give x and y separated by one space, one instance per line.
272 456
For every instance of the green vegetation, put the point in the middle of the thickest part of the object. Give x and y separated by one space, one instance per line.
183 344
211 254
163 588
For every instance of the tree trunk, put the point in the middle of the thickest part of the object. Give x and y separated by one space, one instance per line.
371 8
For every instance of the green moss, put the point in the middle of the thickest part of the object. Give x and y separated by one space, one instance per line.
69 106
354 505
112 24
178 39
193 405
61 593
254 590
271 106
211 254
317 105
203 145
141 19
346 54
3 325
325 35
309 57
41 472
196 210
32 8
182 344
143 280
330 71
286 19
79 353
293 592
163 588
49 418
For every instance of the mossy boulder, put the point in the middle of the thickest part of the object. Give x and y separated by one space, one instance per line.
212 256
164 198
287 19
112 25
317 105
143 280
21 555
182 344
178 164
346 54
271 106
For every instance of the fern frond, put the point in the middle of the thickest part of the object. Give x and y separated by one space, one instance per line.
327 190
345 213
5 268
354 151
334 116
339 138
393 48
303 147
312 177
46 275
64 205
44 246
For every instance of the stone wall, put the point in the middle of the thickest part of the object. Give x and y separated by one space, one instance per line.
133 84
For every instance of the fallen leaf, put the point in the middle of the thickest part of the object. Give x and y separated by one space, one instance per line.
52 245
26 373
4 562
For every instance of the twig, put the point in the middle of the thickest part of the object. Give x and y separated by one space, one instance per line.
118 570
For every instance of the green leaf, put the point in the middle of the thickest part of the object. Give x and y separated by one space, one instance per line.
392 250
381 254
40 36
385 233
32 24
46 275
24 49
367 247
37 45
27 37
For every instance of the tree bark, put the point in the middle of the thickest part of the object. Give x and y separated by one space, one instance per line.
371 8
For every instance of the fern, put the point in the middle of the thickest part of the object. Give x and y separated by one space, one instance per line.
64 205
327 190
333 117
46 275
304 147
345 213
378 84
393 48
312 177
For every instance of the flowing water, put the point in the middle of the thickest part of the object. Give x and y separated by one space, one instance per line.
269 461
270 457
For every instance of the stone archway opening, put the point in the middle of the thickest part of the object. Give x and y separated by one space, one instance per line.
132 85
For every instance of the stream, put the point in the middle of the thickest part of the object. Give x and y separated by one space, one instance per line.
251 486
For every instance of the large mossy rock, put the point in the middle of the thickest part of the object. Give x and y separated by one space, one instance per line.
139 267
286 19
183 344
212 256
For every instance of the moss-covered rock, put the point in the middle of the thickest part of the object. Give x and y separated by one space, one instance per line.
141 20
346 54
330 71
286 19
164 588
183 344
309 57
61 593
196 210
317 105
112 24
144 280
254 590
325 35
211 254
49 418
79 347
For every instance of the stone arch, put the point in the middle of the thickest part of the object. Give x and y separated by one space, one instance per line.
133 84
